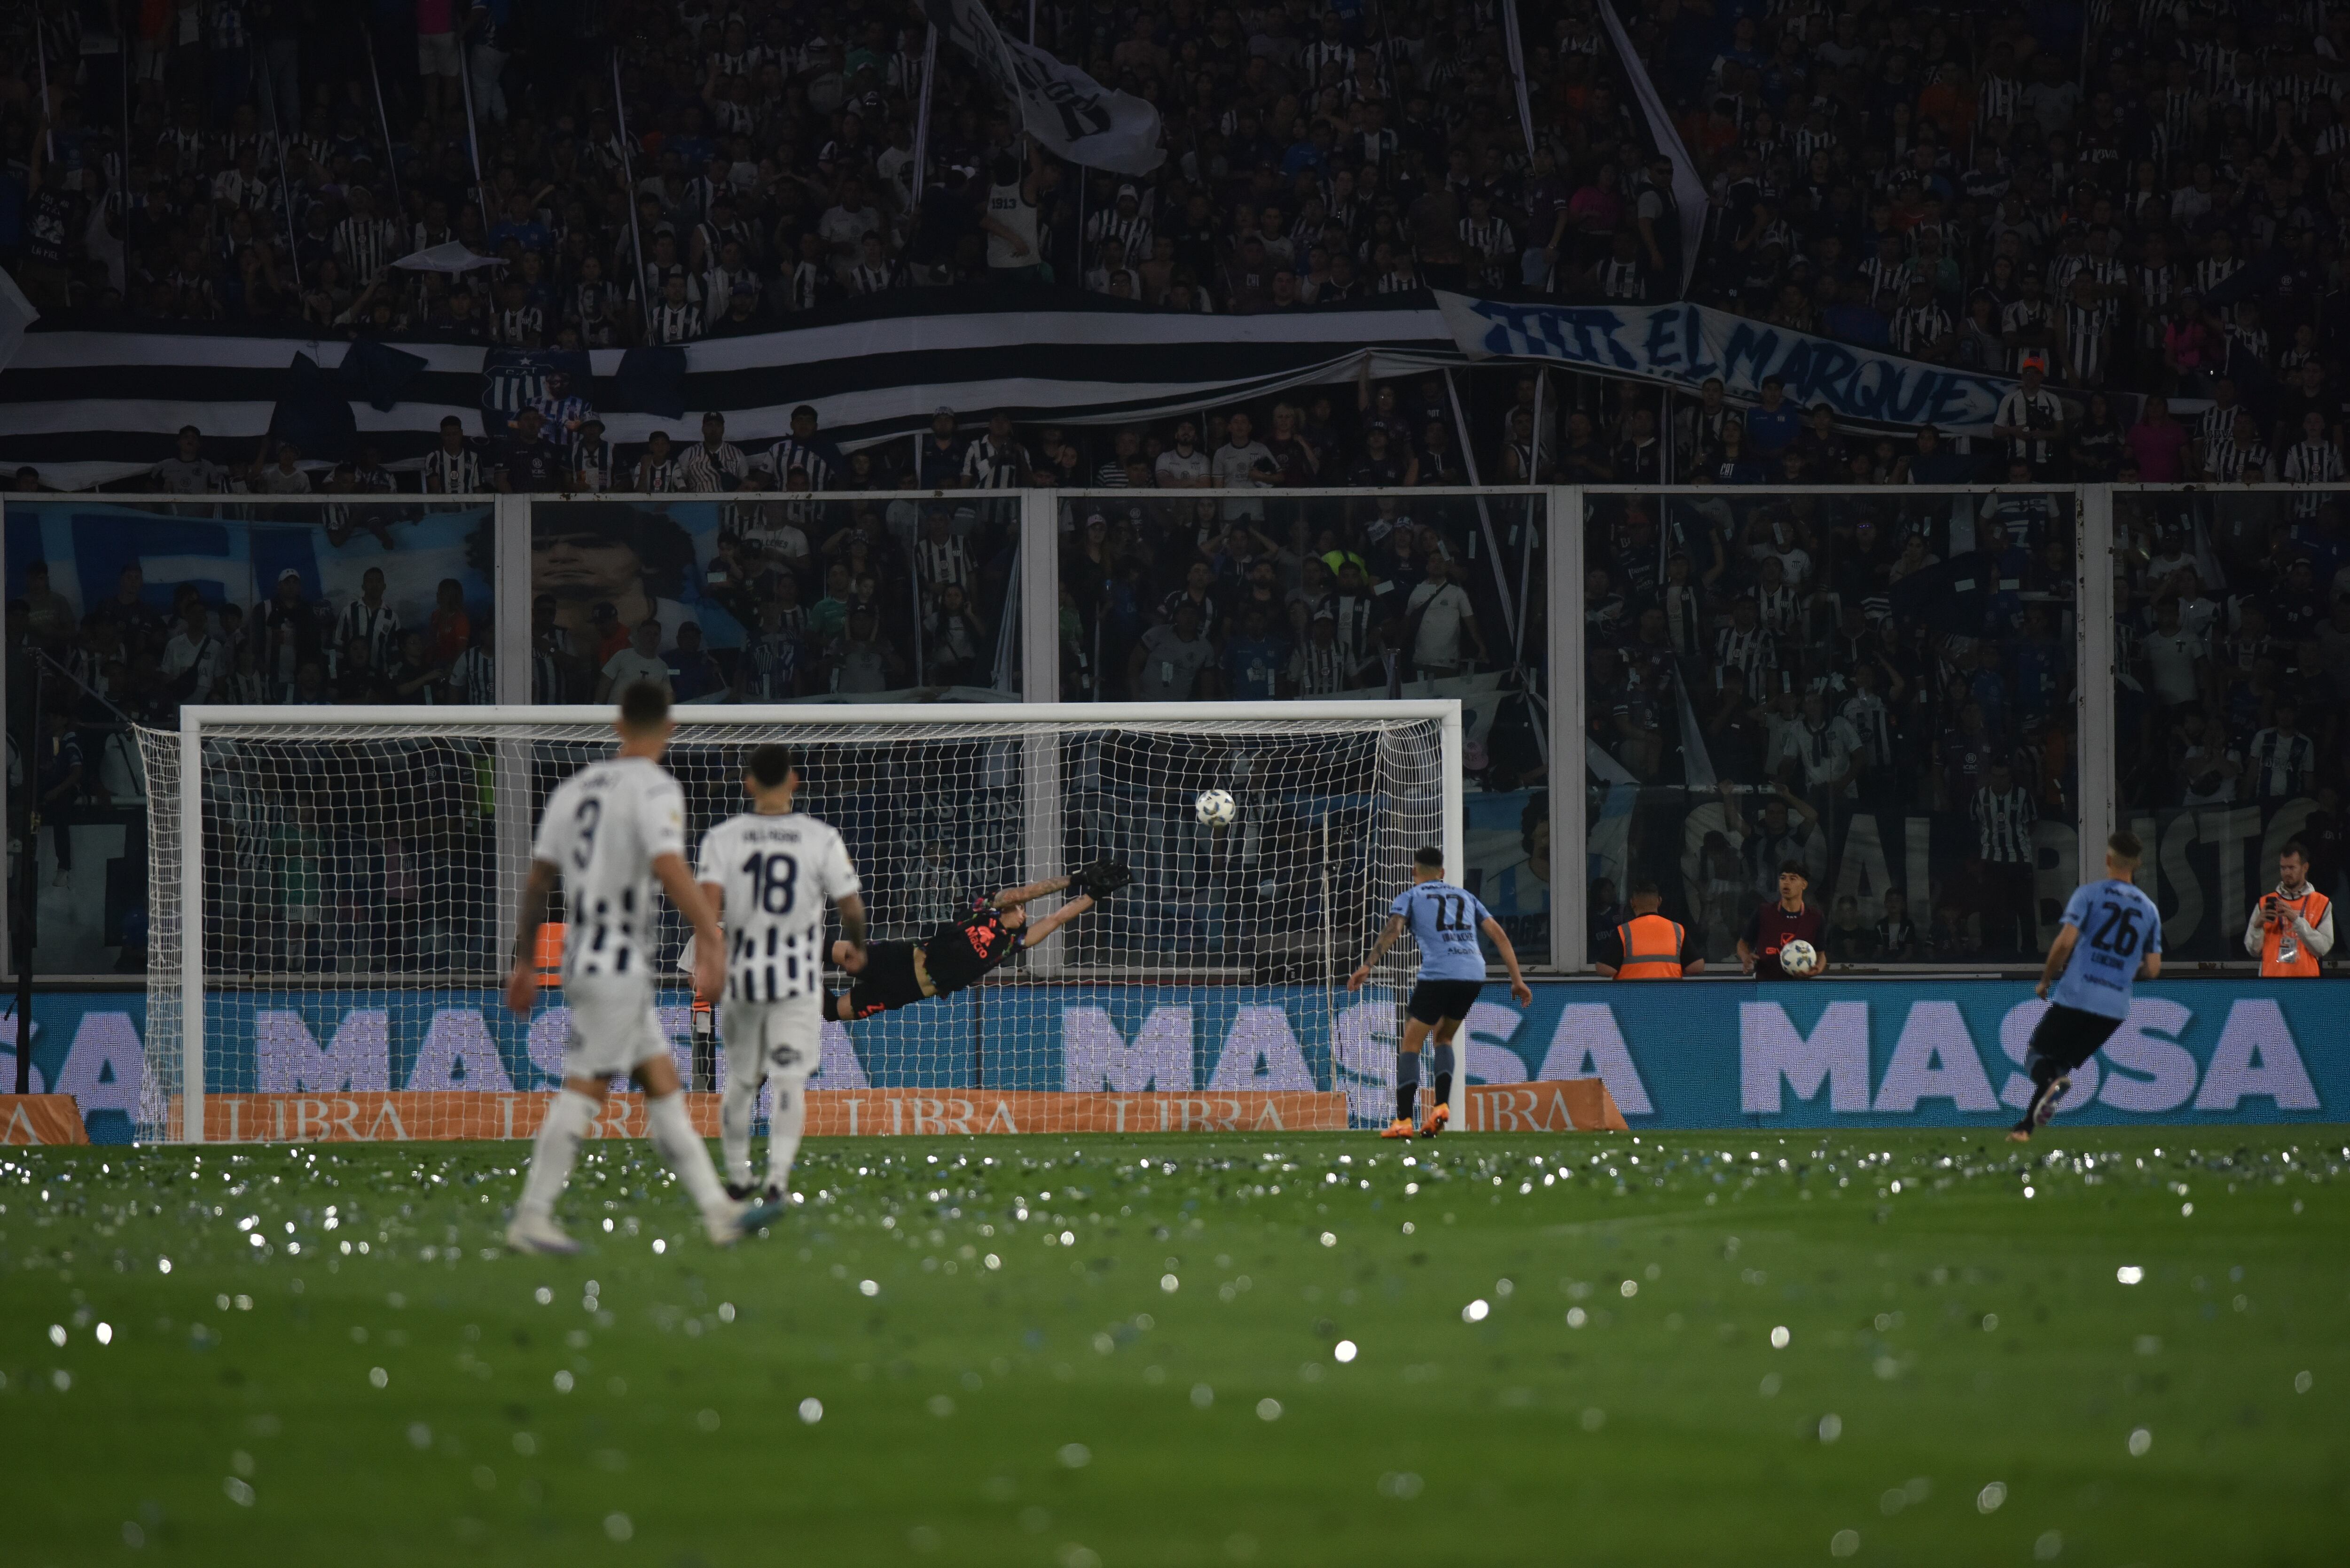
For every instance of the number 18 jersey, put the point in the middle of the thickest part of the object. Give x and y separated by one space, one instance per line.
1444 921
777 873
603 829
2119 924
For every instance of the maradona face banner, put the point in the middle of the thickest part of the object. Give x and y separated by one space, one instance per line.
1688 345
1819 1054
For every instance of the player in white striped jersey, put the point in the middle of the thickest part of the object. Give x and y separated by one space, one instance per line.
610 831
769 873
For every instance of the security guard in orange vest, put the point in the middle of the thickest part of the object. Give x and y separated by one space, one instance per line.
2291 929
1648 946
548 957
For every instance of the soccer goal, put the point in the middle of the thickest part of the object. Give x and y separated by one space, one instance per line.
332 892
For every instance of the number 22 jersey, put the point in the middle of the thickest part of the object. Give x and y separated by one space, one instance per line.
1444 921
2119 924
777 872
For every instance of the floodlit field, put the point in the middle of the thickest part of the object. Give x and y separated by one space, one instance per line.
2120 1347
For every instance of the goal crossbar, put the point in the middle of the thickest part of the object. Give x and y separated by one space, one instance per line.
183 905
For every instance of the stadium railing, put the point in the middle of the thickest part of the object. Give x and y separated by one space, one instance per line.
1530 679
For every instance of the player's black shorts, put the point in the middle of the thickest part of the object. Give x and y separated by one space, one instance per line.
1434 1000
887 982
2069 1036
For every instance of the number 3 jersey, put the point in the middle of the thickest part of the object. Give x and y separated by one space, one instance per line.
603 829
1444 921
2119 925
777 873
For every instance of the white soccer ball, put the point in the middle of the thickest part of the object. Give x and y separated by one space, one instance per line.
1215 808
1799 958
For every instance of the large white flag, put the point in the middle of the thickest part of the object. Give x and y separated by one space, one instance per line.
1061 107
1689 202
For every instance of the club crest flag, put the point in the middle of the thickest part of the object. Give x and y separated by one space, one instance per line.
1061 107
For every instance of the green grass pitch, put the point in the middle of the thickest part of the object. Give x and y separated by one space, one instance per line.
1911 1347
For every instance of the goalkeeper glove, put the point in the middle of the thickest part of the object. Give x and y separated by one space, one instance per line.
1103 877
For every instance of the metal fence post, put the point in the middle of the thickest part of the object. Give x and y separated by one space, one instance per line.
1039 598
510 519
1569 940
2093 633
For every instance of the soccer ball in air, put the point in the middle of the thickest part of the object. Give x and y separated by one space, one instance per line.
1215 808
1799 958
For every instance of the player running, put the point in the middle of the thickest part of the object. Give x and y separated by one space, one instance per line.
2092 981
958 954
610 831
1444 921
768 874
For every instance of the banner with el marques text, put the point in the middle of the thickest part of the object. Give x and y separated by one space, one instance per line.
1686 346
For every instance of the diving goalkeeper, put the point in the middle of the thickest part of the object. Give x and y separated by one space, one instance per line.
958 954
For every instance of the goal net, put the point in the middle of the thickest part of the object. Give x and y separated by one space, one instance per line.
333 893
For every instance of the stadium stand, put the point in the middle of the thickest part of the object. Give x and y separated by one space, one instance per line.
2104 210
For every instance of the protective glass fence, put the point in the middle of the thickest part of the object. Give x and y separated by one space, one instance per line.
130 610
1267 596
1876 685
777 598
2231 664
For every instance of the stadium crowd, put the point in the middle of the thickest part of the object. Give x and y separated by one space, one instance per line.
2137 211
281 155
2144 199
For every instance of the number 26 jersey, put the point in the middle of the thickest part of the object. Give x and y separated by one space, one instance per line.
777 873
2119 924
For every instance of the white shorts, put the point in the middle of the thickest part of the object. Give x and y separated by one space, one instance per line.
436 54
782 1040
613 1026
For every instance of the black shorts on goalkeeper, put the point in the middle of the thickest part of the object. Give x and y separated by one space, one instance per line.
887 982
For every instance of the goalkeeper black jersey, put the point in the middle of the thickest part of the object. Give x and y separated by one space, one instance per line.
957 955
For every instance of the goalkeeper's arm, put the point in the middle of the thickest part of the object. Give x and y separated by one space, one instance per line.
1012 897
1099 880
1039 930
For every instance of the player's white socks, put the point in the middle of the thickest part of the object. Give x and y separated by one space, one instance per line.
735 1109
786 1115
673 1140
554 1150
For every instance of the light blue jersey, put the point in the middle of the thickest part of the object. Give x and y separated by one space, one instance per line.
2119 925
1444 921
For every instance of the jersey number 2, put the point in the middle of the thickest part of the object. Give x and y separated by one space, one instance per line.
775 881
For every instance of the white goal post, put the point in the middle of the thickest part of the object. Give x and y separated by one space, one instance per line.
332 894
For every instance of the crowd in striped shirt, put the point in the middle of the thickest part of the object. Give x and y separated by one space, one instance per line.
2003 825
675 324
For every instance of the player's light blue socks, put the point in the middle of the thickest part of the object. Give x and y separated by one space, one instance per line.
554 1150
1406 1084
1443 1075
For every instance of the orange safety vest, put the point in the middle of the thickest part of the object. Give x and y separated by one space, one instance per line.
1653 947
2281 953
549 956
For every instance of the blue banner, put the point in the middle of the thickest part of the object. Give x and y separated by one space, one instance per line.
1697 1054
1688 345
